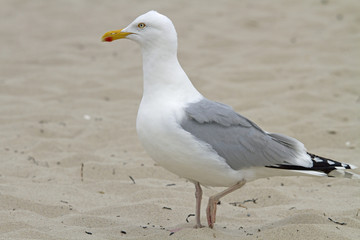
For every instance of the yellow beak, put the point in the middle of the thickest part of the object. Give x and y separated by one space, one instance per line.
114 35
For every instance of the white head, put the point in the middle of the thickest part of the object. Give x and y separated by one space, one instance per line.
151 30
163 75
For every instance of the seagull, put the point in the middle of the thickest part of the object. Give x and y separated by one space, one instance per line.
204 141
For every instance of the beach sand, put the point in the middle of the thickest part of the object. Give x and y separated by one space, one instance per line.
71 166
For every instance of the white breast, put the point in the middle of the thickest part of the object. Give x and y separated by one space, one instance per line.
175 149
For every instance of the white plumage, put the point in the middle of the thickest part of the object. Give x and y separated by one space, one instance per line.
198 139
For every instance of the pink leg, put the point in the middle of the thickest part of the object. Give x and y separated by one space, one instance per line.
198 196
213 200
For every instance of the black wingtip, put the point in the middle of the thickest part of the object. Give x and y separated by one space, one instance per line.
320 164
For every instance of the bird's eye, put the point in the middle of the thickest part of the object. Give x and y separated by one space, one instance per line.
141 25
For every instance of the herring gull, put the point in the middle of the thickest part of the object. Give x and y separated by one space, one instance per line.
201 140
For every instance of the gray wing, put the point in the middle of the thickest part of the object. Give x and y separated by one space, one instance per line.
235 138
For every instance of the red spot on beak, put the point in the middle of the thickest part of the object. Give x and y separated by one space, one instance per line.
108 39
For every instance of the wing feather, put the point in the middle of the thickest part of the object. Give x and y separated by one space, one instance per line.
238 140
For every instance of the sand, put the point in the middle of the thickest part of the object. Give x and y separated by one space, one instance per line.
68 144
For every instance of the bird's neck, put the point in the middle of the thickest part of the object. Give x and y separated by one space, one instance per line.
163 74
